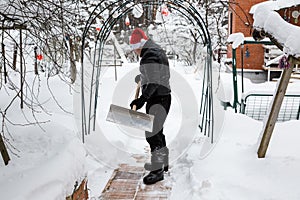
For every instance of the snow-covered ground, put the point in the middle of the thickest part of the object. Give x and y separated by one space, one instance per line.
231 170
51 161
47 159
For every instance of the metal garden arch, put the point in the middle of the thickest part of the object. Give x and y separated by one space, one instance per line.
121 8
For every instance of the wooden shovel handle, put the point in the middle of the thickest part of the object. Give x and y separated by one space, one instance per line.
137 92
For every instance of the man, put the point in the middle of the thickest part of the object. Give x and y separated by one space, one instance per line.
154 77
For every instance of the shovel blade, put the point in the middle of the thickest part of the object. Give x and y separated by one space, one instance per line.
131 118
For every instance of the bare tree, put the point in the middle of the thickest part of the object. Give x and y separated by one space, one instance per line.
28 28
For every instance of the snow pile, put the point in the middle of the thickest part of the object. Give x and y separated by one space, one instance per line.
49 177
236 39
50 162
47 157
230 171
279 4
266 18
233 171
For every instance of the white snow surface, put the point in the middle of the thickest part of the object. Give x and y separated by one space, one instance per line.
277 5
266 18
236 39
51 159
50 162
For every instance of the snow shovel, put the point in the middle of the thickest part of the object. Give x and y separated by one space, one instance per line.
130 117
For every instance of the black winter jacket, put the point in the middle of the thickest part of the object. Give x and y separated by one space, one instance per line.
155 72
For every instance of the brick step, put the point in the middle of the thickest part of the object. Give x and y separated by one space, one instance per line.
126 182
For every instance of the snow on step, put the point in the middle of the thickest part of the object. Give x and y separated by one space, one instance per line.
126 182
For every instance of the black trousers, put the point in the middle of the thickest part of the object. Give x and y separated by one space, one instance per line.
158 106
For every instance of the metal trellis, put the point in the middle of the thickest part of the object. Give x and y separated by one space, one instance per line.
119 9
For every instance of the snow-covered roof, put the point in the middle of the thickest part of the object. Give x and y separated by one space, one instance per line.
277 5
266 18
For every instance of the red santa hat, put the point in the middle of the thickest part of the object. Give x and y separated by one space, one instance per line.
138 38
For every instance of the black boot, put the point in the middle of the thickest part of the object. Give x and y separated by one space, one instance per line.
157 166
154 176
149 167
164 156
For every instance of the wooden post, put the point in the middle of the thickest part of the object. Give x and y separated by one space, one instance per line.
3 151
275 108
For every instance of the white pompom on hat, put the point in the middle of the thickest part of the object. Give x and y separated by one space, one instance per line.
138 38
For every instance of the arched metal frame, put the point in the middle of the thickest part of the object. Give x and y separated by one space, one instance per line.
122 8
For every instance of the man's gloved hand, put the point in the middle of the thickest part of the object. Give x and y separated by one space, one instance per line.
137 78
139 102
